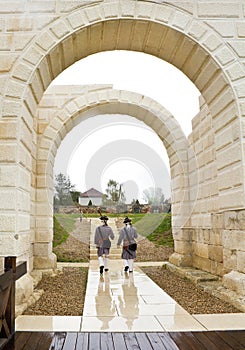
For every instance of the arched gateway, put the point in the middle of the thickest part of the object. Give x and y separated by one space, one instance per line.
205 40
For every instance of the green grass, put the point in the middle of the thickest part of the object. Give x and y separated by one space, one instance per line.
162 235
156 227
60 234
67 221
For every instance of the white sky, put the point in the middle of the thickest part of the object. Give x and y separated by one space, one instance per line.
132 71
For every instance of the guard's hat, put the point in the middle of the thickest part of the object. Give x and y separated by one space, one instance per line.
126 220
103 218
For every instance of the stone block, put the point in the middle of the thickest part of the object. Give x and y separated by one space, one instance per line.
212 42
235 281
238 47
8 154
77 19
197 30
222 27
217 268
44 236
201 250
181 259
231 220
24 288
240 26
235 71
42 6
224 56
202 263
220 9
183 235
15 89
215 253
241 219
144 10
60 29
7 223
180 20
45 262
216 237
8 176
183 247
42 249
230 259
22 71
241 261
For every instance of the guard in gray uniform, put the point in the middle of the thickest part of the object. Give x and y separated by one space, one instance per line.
102 237
127 235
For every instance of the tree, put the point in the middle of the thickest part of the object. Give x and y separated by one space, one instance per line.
154 195
63 189
114 193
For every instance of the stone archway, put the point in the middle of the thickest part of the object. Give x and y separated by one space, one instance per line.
65 116
188 36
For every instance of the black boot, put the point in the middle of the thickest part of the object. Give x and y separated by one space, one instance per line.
101 269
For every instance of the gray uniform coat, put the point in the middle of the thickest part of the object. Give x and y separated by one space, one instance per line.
127 238
105 232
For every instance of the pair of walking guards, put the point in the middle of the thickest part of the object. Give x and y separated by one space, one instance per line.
102 240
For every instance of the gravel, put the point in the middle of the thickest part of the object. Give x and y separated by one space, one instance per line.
191 298
63 295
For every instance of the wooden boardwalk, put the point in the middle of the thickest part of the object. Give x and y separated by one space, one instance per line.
221 340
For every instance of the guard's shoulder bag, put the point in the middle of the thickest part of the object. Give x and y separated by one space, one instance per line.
106 242
132 246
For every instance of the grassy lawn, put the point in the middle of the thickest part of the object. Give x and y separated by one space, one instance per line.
67 221
156 227
60 234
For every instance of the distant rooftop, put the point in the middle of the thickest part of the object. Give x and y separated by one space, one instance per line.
92 192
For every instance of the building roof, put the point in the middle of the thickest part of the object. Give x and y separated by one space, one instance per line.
91 193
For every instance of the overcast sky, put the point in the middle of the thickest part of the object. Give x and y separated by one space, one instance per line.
121 147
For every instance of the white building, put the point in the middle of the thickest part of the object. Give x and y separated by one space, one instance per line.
93 195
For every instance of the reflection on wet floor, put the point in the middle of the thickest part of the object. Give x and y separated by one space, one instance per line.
121 302
126 302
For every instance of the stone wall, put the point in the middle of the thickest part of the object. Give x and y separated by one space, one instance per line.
204 39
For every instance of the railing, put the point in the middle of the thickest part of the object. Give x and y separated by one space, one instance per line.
12 272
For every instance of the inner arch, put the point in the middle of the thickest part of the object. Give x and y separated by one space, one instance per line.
142 73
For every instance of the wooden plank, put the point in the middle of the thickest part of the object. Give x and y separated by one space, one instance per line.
218 341
238 335
106 341
21 269
202 337
58 341
33 341
143 341
131 341
193 341
82 341
168 341
118 341
182 341
230 340
45 342
70 341
6 279
3 342
155 341
18 342
94 341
